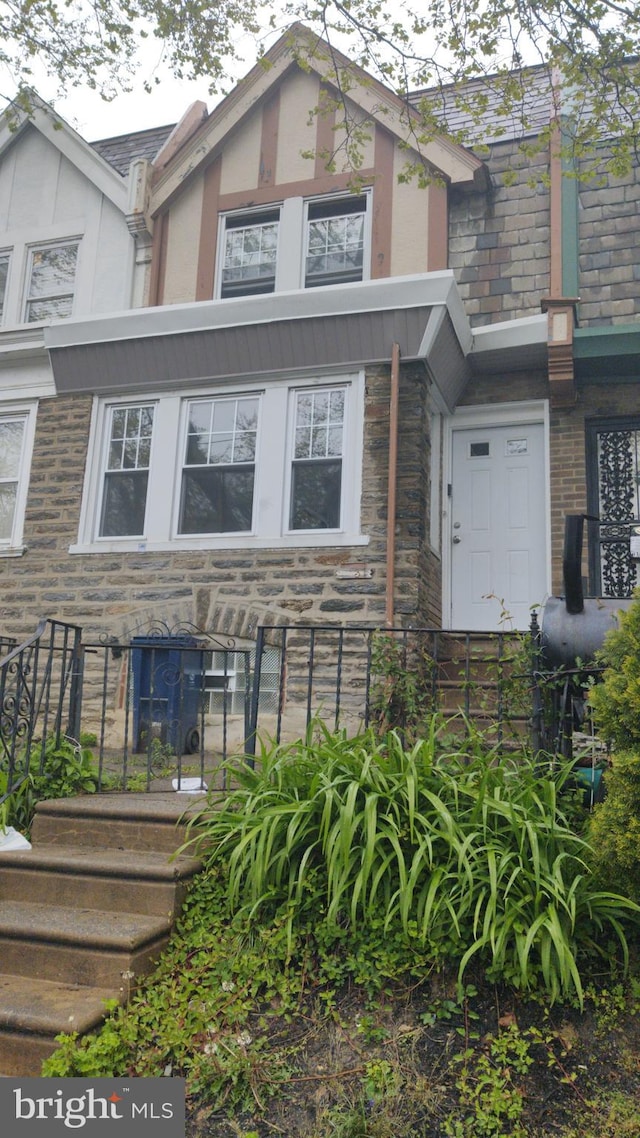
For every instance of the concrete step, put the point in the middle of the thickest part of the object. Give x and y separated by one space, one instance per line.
85 913
112 880
78 946
115 821
34 1011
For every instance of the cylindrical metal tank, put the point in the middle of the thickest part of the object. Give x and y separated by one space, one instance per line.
567 637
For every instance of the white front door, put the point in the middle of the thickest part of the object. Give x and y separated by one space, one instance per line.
498 525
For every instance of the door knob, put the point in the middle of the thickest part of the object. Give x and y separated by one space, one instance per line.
457 540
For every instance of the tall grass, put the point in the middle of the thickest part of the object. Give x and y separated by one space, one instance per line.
471 855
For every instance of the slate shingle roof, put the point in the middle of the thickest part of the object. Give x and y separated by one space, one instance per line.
121 150
494 126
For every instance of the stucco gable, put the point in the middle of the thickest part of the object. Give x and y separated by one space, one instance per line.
44 119
375 102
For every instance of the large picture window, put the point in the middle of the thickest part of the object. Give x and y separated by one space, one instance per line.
271 464
218 474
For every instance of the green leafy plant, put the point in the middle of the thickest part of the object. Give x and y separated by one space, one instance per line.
61 768
614 827
491 1102
616 700
401 694
465 855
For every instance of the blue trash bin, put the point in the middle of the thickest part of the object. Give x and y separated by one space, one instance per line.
167 692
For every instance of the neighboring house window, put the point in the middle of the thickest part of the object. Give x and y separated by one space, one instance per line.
126 477
316 473
335 241
272 464
16 442
219 466
51 283
250 254
4 273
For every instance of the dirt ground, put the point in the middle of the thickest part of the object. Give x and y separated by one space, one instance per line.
397 1069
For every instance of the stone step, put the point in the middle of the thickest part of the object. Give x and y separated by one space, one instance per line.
78 946
143 882
85 913
34 1011
115 821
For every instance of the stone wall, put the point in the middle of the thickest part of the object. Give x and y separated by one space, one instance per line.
609 257
229 591
499 239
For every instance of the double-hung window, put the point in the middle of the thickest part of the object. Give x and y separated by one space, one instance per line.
219 466
335 241
316 468
126 478
51 282
16 443
249 255
265 465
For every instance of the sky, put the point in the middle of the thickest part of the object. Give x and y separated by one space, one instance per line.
94 118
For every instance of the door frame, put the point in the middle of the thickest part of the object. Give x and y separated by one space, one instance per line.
489 415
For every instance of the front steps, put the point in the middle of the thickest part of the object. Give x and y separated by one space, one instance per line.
84 914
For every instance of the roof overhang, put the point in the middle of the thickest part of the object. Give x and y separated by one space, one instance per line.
513 345
607 354
343 326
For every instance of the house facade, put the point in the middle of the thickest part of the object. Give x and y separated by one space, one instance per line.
304 400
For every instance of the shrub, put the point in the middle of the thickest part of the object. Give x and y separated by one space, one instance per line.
614 827
469 855
60 769
616 701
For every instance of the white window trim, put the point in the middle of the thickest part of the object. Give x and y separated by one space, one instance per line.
273 453
39 247
20 244
13 546
366 252
292 238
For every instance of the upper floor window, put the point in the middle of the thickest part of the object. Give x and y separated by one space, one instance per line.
297 244
4 273
335 241
250 253
51 282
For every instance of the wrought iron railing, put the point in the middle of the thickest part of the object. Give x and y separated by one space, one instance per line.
354 676
171 705
40 698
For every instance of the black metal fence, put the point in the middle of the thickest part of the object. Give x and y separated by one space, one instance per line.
165 709
40 698
354 676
